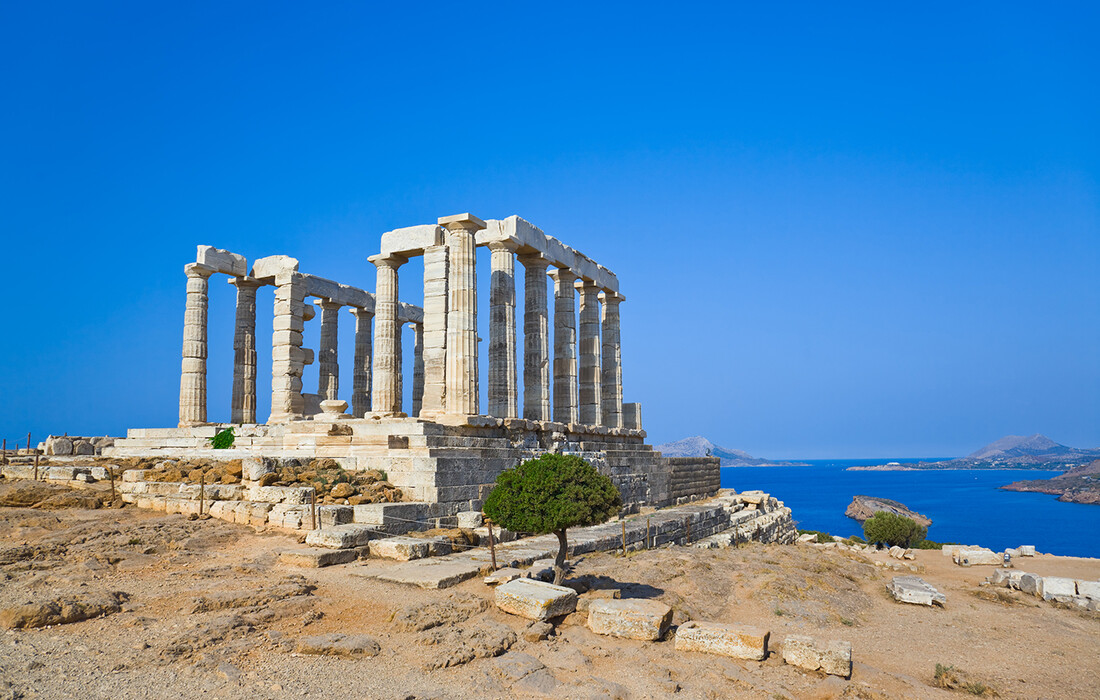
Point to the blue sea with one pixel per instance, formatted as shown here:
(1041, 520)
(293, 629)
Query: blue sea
(965, 506)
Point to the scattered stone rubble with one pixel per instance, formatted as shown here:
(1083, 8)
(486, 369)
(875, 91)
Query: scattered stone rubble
(1077, 593)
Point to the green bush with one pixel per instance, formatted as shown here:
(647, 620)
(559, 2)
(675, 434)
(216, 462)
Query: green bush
(893, 530)
(223, 440)
(822, 537)
(551, 494)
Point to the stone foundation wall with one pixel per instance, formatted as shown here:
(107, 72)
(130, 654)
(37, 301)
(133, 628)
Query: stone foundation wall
(693, 477)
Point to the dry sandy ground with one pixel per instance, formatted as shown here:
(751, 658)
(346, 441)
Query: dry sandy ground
(208, 613)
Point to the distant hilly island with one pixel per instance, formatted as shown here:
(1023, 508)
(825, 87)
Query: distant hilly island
(699, 446)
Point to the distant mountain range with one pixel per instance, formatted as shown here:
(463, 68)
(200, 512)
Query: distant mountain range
(1010, 452)
(699, 446)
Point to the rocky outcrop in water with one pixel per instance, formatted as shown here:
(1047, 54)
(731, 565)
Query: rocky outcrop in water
(863, 507)
(1078, 485)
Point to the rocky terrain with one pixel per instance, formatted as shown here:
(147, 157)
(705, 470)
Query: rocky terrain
(699, 446)
(124, 603)
(1078, 485)
(863, 507)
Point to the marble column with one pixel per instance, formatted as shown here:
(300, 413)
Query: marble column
(328, 385)
(590, 354)
(435, 329)
(612, 388)
(536, 339)
(287, 356)
(503, 381)
(243, 408)
(399, 406)
(385, 382)
(193, 370)
(461, 393)
(418, 369)
(565, 346)
(360, 376)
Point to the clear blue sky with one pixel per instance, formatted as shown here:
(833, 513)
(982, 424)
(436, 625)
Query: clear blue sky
(843, 229)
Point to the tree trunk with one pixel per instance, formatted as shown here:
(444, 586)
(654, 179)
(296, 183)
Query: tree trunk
(559, 561)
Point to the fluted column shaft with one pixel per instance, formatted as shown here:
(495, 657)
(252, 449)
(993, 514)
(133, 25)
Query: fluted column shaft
(462, 395)
(328, 361)
(385, 382)
(590, 354)
(243, 409)
(503, 382)
(435, 329)
(536, 348)
(612, 388)
(287, 356)
(193, 370)
(565, 346)
(418, 369)
(360, 377)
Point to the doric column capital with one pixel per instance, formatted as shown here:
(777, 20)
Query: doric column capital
(507, 245)
(360, 313)
(198, 271)
(609, 297)
(328, 304)
(587, 286)
(533, 260)
(390, 260)
(461, 222)
(563, 275)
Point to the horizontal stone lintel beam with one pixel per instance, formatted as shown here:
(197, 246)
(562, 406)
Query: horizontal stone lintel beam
(266, 269)
(528, 238)
(222, 261)
(411, 241)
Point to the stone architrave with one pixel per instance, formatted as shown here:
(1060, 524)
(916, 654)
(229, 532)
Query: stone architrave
(435, 329)
(360, 377)
(612, 384)
(590, 378)
(536, 339)
(385, 380)
(418, 369)
(328, 385)
(503, 382)
(461, 394)
(735, 641)
(565, 346)
(287, 355)
(193, 372)
(243, 408)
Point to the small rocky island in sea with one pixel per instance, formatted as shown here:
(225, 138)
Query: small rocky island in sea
(699, 446)
(1010, 452)
(1078, 485)
(863, 507)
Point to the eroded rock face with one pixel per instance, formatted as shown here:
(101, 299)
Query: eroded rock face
(458, 608)
(457, 646)
(863, 507)
(63, 611)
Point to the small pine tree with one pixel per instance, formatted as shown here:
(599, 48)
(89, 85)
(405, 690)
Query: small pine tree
(552, 493)
(223, 440)
(893, 530)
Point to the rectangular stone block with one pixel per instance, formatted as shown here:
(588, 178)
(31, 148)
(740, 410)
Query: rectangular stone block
(222, 260)
(630, 618)
(1056, 587)
(1026, 550)
(832, 657)
(308, 557)
(979, 556)
(339, 536)
(334, 515)
(291, 495)
(1031, 584)
(535, 600)
(1089, 589)
(736, 641)
(399, 548)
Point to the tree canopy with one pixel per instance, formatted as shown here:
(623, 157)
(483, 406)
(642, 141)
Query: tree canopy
(893, 529)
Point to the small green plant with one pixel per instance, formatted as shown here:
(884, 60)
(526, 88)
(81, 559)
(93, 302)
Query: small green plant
(976, 688)
(822, 537)
(847, 622)
(893, 530)
(945, 677)
(223, 440)
(780, 612)
(134, 540)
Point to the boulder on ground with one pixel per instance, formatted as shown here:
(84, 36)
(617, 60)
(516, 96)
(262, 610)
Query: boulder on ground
(736, 641)
(914, 589)
(538, 631)
(63, 611)
(337, 644)
(977, 556)
(632, 618)
(832, 657)
(535, 600)
(1031, 583)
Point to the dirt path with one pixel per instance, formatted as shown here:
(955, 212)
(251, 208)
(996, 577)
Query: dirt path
(205, 610)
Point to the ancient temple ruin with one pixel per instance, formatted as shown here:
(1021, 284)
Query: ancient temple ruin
(443, 450)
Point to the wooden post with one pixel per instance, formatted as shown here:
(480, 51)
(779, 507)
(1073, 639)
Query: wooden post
(624, 538)
(111, 474)
(5, 452)
(36, 465)
(687, 526)
(648, 541)
(202, 490)
(313, 509)
(492, 544)
(28, 442)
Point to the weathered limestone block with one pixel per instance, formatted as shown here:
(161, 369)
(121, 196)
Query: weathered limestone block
(339, 536)
(83, 447)
(1026, 550)
(914, 589)
(1089, 589)
(253, 468)
(286, 515)
(133, 475)
(1058, 588)
(312, 558)
(736, 641)
(632, 618)
(979, 556)
(290, 495)
(1010, 578)
(222, 260)
(1031, 583)
(470, 519)
(503, 576)
(59, 446)
(832, 657)
(329, 516)
(399, 548)
(535, 600)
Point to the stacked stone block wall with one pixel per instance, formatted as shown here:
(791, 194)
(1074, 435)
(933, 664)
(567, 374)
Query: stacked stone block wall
(693, 477)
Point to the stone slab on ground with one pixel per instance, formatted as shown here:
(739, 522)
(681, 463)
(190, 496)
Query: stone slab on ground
(429, 574)
(646, 620)
(337, 644)
(1058, 588)
(977, 556)
(736, 641)
(314, 558)
(503, 576)
(1031, 583)
(1089, 589)
(535, 600)
(914, 589)
(1009, 578)
(400, 548)
(832, 657)
(339, 536)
